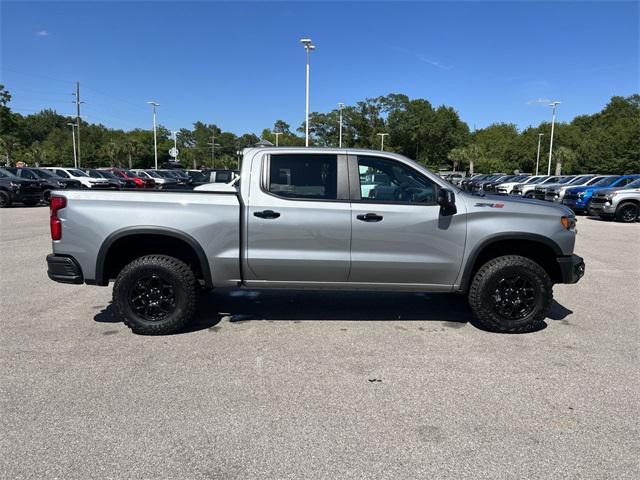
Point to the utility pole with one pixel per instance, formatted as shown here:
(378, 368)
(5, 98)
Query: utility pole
(553, 105)
(382, 135)
(340, 106)
(540, 135)
(78, 102)
(73, 137)
(155, 135)
(213, 149)
(277, 134)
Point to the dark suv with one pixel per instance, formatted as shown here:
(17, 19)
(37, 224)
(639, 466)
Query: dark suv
(48, 180)
(16, 189)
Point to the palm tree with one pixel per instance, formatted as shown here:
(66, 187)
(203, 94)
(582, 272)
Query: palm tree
(132, 148)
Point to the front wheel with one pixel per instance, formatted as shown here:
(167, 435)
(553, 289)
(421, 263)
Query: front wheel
(627, 213)
(5, 199)
(156, 294)
(511, 294)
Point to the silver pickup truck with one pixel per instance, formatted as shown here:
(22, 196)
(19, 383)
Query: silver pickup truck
(315, 218)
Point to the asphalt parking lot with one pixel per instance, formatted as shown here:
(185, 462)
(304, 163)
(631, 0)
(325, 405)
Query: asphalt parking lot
(308, 385)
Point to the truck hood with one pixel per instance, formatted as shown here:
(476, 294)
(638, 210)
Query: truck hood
(510, 204)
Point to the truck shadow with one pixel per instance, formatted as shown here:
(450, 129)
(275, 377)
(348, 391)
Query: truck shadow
(300, 305)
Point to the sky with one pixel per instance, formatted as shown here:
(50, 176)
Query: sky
(241, 66)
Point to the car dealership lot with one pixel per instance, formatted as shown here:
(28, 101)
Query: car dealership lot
(310, 385)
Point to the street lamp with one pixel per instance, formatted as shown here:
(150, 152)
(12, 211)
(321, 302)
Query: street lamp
(382, 135)
(73, 137)
(309, 47)
(553, 105)
(540, 135)
(277, 134)
(175, 144)
(340, 107)
(155, 135)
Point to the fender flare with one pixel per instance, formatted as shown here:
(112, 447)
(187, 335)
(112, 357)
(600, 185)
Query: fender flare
(499, 237)
(151, 230)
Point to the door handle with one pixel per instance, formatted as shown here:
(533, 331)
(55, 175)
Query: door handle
(267, 214)
(370, 217)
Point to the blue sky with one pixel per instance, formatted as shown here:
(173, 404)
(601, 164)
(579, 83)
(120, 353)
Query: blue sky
(240, 64)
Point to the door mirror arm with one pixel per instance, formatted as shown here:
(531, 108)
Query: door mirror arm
(447, 201)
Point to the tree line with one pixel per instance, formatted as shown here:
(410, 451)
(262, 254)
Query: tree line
(604, 142)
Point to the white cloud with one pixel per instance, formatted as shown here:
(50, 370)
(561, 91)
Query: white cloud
(42, 33)
(434, 63)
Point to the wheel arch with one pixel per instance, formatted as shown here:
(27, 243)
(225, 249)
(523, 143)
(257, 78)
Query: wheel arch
(538, 248)
(146, 241)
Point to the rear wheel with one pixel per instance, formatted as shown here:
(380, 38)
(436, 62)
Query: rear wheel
(5, 199)
(528, 195)
(156, 294)
(511, 294)
(627, 213)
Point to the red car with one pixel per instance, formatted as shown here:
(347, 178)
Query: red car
(129, 175)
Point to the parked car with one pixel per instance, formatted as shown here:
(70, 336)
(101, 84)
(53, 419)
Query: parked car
(556, 193)
(14, 189)
(540, 189)
(505, 188)
(219, 176)
(159, 180)
(80, 176)
(181, 181)
(301, 220)
(130, 175)
(542, 192)
(115, 182)
(478, 185)
(623, 204)
(527, 189)
(578, 198)
(48, 180)
(492, 186)
(466, 183)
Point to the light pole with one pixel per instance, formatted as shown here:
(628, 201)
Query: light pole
(540, 135)
(382, 135)
(309, 47)
(155, 135)
(73, 137)
(213, 150)
(175, 144)
(553, 105)
(277, 134)
(340, 106)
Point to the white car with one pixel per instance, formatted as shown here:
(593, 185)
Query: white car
(83, 178)
(505, 188)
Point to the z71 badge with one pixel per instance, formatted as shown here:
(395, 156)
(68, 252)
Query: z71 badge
(490, 205)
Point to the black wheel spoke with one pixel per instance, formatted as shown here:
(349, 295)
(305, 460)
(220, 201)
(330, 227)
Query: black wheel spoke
(152, 297)
(514, 297)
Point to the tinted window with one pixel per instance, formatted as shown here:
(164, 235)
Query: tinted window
(624, 181)
(634, 184)
(304, 176)
(62, 173)
(3, 175)
(383, 180)
(606, 181)
(43, 173)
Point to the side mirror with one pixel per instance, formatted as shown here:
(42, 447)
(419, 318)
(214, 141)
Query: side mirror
(447, 201)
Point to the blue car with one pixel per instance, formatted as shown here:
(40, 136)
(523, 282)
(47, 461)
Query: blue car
(577, 198)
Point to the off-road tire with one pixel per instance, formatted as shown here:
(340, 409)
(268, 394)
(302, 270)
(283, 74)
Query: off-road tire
(486, 280)
(173, 271)
(627, 212)
(5, 199)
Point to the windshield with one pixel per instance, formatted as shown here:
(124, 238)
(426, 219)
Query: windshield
(606, 181)
(4, 174)
(153, 174)
(94, 174)
(24, 173)
(199, 177)
(634, 184)
(533, 181)
(566, 180)
(166, 174)
(44, 174)
(107, 174)
(579, 180)
(77, 173)
(550, 180)
(594, 180)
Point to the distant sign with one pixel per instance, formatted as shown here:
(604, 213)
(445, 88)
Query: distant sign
(174, 152)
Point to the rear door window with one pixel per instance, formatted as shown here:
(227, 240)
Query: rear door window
(305, 177)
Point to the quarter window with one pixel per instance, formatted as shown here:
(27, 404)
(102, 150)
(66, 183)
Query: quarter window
(388, 181)
(312, 177)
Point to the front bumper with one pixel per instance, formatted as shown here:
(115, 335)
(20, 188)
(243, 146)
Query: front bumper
(571, 268)
(599, 208)
(577, 205)
(64, 269)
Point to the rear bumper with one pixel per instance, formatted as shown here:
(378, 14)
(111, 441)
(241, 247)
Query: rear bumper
(64, 269)
(571, 268)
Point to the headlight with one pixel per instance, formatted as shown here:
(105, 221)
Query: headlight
(14, 185)
(582, 194)
(611, 195)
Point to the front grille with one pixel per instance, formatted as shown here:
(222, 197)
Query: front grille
(595, 200)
